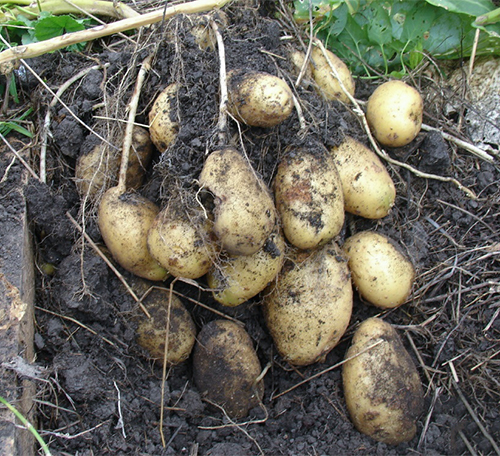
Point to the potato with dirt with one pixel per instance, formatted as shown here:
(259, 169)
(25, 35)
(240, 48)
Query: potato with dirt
(382, 388)
(163, 118)
(367, 186)
(226, 368)
(309, 307)
(244, 211)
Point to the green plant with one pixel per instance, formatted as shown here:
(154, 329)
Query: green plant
(14, 124)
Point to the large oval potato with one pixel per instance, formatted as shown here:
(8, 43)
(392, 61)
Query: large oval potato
(244, 211)
(367, 186)
(258, 99)
(237, 279)
(124, 220)
(309, 307)
(394, 113)
(381, 272)
(226, 368)
(309, 198)
(163, 118)
(382, 387)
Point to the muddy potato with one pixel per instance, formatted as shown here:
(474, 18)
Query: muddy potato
(244, 213)
(382, 387)
(394, 113)
(367, 186)
(309, 307)
(226, 368)
(328, 84)
(380, 270)
(124, 220)
(309, 198)
(237, 279)
(258, 99)
(139, 157)
(298, 60)
(163, 118)
(202, 31)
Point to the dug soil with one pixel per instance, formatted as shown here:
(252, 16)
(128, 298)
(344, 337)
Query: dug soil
(99, 392)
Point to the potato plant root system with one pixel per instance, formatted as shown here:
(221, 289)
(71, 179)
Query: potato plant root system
(100, 394)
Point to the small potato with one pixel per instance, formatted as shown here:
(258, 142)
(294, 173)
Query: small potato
(226, 368)
(124, 220)
(258, 99)
(309, 198)
(308, 309)
(202, 31)
(244, 211)
(328, 84)
(382, 387)
(240, 278)
(381, 272)
(139, 157)
(367, 186)
(394, 113)
(163, 118)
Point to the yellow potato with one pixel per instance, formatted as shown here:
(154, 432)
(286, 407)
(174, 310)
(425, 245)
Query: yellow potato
(244, 211)
(381, 272)
(367, 186)
(309, 198)
(139, 157)
(382, 387)
(226, 368)
(163, 118)
(394, 113)
(308, 309)
(298, 61)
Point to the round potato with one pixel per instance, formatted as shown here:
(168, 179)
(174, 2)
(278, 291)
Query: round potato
(381, 272)
(309, 198)
(244, 211)
(367, 186)
(237, 279)
(394, 113)
(309, 307)
(163, 118)
(328, 84)
(258, 99)
(124, 220)
(382, 388)
(226, 368)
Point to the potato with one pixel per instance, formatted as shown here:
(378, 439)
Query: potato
(244, 211)
(394, 113)
(124, 220)
(181, 241)
(139, 157)
(380, 270)
(226, 368)
(382, 387)
(328, 84)
(298, 61)
(237, 279)
(202, 31)
(258, 99)
(367, 186)
(308, 309)
(163, 118)
(309, 198)
(151, 332)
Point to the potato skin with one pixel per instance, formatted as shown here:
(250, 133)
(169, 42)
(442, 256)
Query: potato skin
(367, 186)
(244, 211)
(139, 157)
(124, 221)
(380, 271)
(243, 277)
(163, 122)
(309, 307)
(226, 367)
(394, 113)
(258, 99)
(382, 387)
(309, 198)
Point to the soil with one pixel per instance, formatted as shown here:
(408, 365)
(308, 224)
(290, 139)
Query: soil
(100, 393)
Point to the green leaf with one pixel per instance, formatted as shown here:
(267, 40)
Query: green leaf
(52, 26)
(470, 7)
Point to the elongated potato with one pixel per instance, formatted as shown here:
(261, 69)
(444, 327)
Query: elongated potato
(381, 272)
(382, 387)
(124, 220)
(367, 186)
(309, 198)
(240, 278)
(163, 118)
(244, 211)
(308, 309)
(226, 368)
